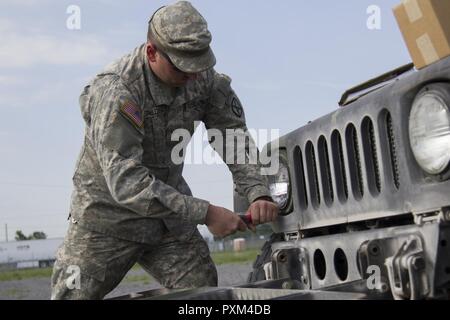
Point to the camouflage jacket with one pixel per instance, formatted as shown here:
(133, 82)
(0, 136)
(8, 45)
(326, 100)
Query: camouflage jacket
(125, 183)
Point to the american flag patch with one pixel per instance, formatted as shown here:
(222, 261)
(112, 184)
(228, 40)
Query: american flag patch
(133, 113)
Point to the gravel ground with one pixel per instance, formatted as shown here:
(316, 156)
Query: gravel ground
(135, 281)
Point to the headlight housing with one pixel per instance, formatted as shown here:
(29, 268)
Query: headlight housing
(429, 129)
(280, 185)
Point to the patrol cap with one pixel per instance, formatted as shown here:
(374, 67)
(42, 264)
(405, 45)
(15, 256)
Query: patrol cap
(181, 32)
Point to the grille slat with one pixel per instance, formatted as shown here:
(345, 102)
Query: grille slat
(375, 157)
(354, 161)
(370, 156)
(392, 150)
(339, 166)
(300, 178)
(312, 175)
(325, 169)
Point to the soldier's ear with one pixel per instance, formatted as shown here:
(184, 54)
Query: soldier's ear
(151, 52)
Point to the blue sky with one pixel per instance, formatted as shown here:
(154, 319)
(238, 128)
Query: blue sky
(290, 61)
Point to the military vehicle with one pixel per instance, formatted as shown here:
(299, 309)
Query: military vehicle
(364, 194)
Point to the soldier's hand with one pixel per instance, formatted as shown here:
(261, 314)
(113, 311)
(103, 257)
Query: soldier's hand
(222, 222)
(262, 211)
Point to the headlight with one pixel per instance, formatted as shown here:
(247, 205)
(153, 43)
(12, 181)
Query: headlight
(280, 185)
(429, 129)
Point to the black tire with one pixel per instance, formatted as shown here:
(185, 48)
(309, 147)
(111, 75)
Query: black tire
(258, 274)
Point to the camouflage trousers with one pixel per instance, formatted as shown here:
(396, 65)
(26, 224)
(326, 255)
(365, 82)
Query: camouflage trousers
(89, 264)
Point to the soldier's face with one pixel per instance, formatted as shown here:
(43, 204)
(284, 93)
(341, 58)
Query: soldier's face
(166, 71)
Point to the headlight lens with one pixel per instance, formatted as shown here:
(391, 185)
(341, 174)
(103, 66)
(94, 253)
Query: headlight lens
(279, 185)
(429, 132)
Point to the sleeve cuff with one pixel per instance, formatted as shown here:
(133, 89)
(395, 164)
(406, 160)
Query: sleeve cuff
(197, 209)
(258, 192)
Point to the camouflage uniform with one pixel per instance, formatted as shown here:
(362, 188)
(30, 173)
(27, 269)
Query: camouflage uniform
(130, 202)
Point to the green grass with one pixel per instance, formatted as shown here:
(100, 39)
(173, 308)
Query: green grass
(144, 279)
(234, 257)
(218, 258)
(25, 274)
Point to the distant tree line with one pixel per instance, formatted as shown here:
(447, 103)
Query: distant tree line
(37, 235)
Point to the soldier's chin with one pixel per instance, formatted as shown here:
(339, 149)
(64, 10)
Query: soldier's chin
(180, 83)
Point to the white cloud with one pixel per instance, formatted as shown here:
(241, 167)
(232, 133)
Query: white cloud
(10, 80)
(328, 85)
(5, 26)
(261, 86)
(22, 3)
(47, 94)
(28, 48)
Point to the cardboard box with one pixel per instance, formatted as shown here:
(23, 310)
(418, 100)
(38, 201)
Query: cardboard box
(425, 25)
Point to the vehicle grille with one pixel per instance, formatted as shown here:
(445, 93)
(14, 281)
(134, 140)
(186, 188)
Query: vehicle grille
(353, 166)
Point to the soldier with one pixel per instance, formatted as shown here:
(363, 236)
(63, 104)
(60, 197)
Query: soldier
(130, 203)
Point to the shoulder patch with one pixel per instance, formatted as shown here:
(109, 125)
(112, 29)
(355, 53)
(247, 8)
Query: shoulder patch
(132, 113)
(236, 106)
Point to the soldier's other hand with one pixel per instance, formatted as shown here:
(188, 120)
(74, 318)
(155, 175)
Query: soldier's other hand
(222, 222)
(263, 211)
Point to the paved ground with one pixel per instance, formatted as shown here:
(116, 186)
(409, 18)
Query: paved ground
(135, 281)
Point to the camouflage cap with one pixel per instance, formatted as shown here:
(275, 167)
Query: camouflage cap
(181, 32)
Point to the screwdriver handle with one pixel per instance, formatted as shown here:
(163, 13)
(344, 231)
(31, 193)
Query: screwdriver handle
(246, 217)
